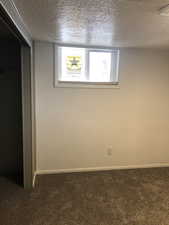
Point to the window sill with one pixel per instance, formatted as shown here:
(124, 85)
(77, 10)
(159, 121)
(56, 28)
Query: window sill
(94, 85)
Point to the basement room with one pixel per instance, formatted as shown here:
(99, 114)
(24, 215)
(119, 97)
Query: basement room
(84, 112)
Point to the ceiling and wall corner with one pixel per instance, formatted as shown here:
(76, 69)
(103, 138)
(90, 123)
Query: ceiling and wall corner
(117, 23)
(14, 14)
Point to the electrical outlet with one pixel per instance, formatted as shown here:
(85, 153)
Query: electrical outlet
(109, 150)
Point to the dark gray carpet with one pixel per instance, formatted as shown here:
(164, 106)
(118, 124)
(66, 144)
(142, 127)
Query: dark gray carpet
(128, 197)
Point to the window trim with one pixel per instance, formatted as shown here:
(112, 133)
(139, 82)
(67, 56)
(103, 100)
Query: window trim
(87, 84)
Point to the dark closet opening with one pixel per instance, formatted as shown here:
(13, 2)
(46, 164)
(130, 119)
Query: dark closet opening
(11, 146)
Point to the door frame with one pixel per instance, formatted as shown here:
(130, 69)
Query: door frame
(28, 121)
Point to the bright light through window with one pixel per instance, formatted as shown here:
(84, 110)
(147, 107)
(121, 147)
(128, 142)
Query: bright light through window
(72, 64)
(87, 65)
(99, 66)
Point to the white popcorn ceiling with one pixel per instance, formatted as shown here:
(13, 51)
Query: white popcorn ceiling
(117, 23)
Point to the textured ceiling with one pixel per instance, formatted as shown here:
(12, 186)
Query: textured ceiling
(118, 23)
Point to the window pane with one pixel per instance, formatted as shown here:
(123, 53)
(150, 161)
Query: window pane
(100, 66)
(72, 64)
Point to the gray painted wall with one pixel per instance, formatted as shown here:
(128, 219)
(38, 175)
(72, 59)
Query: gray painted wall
(76, 126)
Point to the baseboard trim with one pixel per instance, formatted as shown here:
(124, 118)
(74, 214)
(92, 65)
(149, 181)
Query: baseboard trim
(34, 179)
(92, 169)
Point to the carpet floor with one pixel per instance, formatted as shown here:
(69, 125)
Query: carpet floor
(124, 197)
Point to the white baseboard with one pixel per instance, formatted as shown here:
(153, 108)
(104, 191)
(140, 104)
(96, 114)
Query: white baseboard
(34, 179)
(90, 169)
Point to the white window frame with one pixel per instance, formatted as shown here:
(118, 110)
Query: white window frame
(113, 83)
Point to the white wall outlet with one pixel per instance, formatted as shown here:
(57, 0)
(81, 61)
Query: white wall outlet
(109, 150)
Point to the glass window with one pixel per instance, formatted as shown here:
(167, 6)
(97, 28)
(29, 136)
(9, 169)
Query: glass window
(87, 65)
(100, 66)
(72, 64)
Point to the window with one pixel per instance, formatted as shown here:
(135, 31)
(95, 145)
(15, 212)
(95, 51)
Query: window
(72, 64)
(100, 66)
(84, 65)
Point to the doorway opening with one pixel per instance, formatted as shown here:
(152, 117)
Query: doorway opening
(11, 111)
(15, 104)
